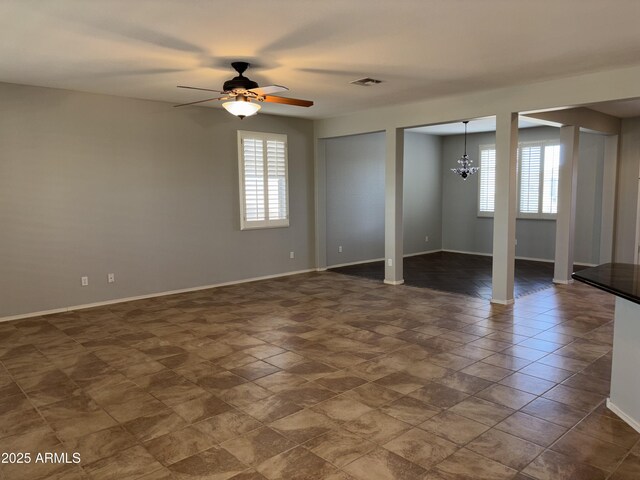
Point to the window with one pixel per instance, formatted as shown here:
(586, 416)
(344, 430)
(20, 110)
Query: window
(538, 165)
(264, 199)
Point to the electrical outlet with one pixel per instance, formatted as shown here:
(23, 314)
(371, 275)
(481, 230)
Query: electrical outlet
(292, 255)
(84, 281)
(426, 239)
(390, 262)
(111, 277)
(516, 241)
(340, 249)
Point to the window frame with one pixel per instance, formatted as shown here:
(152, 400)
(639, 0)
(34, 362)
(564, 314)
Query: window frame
(521, 215)
(539, 215)
(267, 222)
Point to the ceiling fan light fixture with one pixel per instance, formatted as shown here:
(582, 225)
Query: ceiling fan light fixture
(241, 91)
(241, 107)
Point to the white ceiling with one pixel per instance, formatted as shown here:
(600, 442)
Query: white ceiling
(621, 108)
(420, 48)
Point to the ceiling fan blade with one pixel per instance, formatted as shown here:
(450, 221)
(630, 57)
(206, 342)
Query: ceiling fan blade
(199, 101)
(198, 88)
(288, 101)
(268, 89)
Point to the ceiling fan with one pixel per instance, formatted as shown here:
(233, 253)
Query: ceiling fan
(245, 94)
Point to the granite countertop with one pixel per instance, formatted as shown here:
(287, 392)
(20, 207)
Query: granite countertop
(621, 279)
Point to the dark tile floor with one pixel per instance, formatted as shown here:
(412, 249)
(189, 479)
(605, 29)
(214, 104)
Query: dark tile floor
(317, 376)
(459, 273)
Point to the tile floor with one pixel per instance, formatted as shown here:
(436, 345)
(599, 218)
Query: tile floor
(318, 376)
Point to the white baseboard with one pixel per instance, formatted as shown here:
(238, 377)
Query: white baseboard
(466, 253)
(510, 301)
(533, 259)
(562, 282)
(482, 254)
(393, 282)
(255, 279)
(359, 262)
(635, 424)
(150, 295)
(426, 252)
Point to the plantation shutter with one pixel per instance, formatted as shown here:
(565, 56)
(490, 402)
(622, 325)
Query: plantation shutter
(550, 179)
(530, 164)
(538, 168)
(253, 154)
(487, 179)
(263, 180)
(277, 179)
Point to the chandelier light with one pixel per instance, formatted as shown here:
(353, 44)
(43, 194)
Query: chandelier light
(465, 169)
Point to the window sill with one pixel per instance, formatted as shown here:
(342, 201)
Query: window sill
(262, 226)
(518, 217)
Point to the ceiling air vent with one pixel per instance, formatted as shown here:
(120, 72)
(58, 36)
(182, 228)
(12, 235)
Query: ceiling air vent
(366, 82)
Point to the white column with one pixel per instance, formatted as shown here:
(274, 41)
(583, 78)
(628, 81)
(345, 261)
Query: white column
(609, 175)
(393, 183)
(504, 216)
(320, 170)
(566, 218)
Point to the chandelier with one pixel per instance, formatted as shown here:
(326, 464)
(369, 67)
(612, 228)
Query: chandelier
(465, 169)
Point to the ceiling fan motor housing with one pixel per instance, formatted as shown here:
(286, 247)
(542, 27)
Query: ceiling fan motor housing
(239, 82)
(246, 93)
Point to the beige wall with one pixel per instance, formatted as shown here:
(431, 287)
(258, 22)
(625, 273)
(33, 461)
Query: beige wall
(93, 184)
